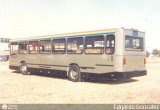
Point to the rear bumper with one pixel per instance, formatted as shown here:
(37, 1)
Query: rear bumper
(134, 73)
(119, 75)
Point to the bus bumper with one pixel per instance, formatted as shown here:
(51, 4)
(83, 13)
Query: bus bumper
(127, 74)
(134, 74)
(118, 75)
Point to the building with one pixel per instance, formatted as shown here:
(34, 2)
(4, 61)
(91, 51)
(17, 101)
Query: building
(4, 46)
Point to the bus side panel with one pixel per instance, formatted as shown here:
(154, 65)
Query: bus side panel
(14, 62)
(87, 63)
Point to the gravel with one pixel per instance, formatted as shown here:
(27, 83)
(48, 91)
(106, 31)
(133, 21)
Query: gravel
(37, 89)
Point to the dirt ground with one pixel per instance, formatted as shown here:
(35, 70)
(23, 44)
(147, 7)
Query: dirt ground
(16, 88)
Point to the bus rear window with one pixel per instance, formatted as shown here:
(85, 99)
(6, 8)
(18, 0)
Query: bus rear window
(133, 43)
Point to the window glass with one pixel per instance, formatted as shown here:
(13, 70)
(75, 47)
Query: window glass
(2, 40)
(110, 44)
(75, 45)
(94, 45)
(45, 46)
(33, 47)
(59, 46)
(6, 40)
(133, 43)
(23, 47)
(14, 48)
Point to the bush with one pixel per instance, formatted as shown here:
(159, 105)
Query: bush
(147, 54)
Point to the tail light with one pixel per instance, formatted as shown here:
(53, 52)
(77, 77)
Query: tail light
(124, 60)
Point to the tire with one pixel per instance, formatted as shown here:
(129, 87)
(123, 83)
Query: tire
(24, 69)
(74, 73)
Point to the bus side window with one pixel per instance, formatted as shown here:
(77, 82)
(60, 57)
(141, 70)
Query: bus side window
(33, 47)
(45, 46)
(75, 45)
(23, 47)
(14, 48)
(59, 46)
(110, 44)
(94, 44)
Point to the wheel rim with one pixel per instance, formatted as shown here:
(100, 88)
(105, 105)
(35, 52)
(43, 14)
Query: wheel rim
(23, 68)
(74, 74)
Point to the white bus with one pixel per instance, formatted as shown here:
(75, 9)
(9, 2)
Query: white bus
(109, 53)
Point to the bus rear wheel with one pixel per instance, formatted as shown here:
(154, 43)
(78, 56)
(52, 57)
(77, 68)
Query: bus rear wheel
(74, 73)
(23, 68)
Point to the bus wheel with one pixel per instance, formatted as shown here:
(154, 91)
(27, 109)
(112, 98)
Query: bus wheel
(74, 73)
(23, 68)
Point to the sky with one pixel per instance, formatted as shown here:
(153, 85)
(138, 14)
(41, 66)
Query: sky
(26, 18)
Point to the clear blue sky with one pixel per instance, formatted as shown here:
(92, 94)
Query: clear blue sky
(25, 18)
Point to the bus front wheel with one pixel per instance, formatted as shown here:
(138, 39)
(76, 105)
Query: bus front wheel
(23, 68)
(74, 73)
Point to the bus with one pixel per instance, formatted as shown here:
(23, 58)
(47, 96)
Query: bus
(109, 53)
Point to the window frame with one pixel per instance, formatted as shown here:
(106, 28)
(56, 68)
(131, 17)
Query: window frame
(91, 37)
(19, 47)
(65, 44)
(134, 37)
(40, 52)
(75, 38)
(110, 47)
(29, 51)
(11, 48)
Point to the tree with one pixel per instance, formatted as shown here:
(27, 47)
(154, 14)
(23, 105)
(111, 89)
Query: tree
(155, 52)
(147, 54)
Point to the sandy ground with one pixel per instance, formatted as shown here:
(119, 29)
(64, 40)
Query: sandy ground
(16, 88)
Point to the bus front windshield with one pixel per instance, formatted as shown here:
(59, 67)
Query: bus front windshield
(133, 43)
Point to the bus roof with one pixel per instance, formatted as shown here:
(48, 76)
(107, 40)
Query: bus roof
(67, 34)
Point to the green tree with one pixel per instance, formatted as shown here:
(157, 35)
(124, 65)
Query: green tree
(155, 52)
(147, 54)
